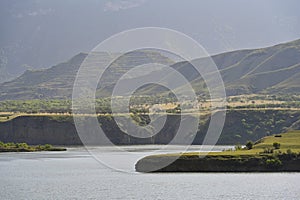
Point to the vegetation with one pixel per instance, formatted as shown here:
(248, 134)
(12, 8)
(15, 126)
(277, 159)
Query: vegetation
(276, 145)
(263, 156)
(238, 147)
(141, 104)
(249, 145)
(102, 105)
(23, 147)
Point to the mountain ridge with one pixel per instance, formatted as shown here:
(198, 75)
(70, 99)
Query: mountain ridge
(269, 70)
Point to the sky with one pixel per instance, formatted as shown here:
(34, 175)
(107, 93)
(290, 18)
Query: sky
(41, 33)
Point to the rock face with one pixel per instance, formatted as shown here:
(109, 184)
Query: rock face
(48, 130)
(240, 126)
(39, 130)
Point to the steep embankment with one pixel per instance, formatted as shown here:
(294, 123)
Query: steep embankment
(240, 126)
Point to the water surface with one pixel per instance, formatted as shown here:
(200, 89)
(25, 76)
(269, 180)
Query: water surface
(77, 175)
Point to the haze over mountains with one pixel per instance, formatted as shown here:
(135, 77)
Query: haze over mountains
(38, 34)
(271, 70)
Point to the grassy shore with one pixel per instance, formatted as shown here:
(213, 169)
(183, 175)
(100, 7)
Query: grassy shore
(23, 147)
(264, 156)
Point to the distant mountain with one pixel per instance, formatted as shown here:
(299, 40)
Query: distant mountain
(37, 34)
(271, 70)
(57, 81)
(267, 70)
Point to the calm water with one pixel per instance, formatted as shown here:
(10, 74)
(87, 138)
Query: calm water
(77, 175)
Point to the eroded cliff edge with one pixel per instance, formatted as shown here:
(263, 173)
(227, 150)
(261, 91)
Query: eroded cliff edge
(240, 126)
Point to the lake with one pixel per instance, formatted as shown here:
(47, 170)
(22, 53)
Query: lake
(76, 174)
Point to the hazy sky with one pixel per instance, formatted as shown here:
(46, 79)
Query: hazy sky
(41, 33)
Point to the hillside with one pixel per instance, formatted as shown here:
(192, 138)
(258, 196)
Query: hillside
(54, 82)
(57, 81)
(271, 70)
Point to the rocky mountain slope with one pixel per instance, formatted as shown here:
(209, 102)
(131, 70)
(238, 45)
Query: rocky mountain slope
(271, 70)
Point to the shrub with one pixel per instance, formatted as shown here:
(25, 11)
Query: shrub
(238, 147)
(276, 145)
(249, 145)
(10, 144)
(289, 151)
(268, 150)
(47, 146)
(39, 147)
(23, 145)
(273, 163)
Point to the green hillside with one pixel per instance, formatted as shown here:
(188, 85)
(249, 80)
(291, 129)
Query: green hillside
(271, 70)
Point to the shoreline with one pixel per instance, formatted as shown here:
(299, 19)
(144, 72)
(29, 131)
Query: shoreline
(222, 164)
(275, 153)
(23, 147)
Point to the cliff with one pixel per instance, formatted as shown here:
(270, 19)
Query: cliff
(240, 126)
(39, 130)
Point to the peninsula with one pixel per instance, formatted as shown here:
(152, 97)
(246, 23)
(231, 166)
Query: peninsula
(276, 153)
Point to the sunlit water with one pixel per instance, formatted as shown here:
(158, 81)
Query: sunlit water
(77, 175)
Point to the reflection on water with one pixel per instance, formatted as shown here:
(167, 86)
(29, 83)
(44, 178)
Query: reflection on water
(77, 175)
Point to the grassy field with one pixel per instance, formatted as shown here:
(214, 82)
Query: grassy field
(288, 141)
(264, 157)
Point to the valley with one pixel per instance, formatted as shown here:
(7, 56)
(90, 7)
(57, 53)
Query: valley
(262, 98)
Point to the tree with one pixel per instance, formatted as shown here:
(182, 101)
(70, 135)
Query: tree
(238, 147)
(249, 145)
(276, 145)
(289, 151)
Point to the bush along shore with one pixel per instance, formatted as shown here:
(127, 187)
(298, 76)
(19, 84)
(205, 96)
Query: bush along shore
(23, 147)
(278, 153)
